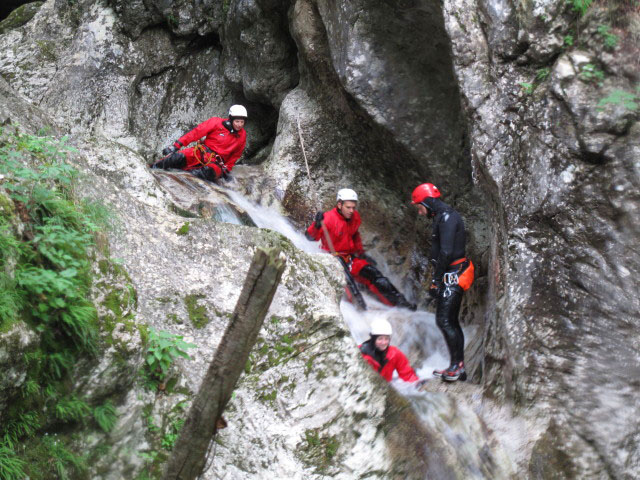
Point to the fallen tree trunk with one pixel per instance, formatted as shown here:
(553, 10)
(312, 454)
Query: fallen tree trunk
(189, 453)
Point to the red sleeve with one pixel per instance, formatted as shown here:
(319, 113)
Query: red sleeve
(237, 152)
(314, 232)
(200, 131)
(404, 369)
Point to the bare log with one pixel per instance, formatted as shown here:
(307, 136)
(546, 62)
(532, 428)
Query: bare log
(189, 453)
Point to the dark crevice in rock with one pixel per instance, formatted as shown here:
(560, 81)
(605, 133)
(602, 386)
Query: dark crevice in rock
(9, 6)
(210, 40)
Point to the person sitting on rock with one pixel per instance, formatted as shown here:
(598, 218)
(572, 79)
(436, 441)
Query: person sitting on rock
(342, 224)
(214, 157)
(385, 358)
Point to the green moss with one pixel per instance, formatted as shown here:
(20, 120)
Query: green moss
(47, 49)
(173, 318)
(197, 313)
(184, 229)
(19, 16)
(268, 397)
(7, 209)
(318, 450)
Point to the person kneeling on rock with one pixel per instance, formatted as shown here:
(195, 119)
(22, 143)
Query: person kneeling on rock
(214, 157)
(385, 358)
(342, 224)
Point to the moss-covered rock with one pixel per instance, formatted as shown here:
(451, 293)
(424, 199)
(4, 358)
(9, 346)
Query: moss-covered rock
(19, 16)
(15, 343)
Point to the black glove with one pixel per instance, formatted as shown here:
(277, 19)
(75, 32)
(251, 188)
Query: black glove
(168, 150)
(366, 257)
(435, 290)
(319, 218)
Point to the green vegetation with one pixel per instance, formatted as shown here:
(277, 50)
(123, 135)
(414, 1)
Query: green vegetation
(319, 451)
(527, 88)
(542, 74)
(163, 349)
(609, 39)
(197, 313)
(568, 40)
(628, 100)
(184, 229)
(161, 437)
(590, 73)
(47, 236)
(580, 6)
(105, 416)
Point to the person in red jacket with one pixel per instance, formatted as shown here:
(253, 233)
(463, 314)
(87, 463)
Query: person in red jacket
(384, 358)
(343, 223)
(214, 157)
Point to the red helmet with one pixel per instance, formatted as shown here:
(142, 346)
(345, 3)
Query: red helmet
(425, 190)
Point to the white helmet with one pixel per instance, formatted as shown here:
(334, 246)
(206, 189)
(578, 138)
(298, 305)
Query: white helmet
(347, 194)
(380, 326)
(238, 111)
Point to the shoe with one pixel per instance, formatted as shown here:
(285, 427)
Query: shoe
(455, 372)
(439, 373)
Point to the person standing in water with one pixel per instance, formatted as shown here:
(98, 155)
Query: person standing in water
(453, 273)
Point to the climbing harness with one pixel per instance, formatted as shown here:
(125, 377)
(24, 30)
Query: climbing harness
(462, 276)
(208, 156)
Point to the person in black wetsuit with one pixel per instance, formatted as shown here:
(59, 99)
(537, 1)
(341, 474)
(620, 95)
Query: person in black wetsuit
(453, 273)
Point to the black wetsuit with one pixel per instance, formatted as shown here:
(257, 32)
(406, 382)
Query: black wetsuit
(447, 246)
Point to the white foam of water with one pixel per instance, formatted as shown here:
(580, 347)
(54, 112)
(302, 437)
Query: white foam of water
(412, 331)
(265, 217)
(224, 213)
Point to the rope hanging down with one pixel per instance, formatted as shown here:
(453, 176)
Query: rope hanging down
(351, 283)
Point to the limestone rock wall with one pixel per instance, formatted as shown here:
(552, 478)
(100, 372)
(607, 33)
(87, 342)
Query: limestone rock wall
(561, 171)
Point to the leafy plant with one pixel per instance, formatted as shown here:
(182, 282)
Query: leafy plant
(543, 73)
(610, 40)
(170, 437)
(45, 281)
(591, 73)
(163, 349)
(11, 467)
(71, 408)
(580, 6)
(528, 88)
(64, 461)
(105, 416)
(568, 40)
(184, 229)
(627, 100)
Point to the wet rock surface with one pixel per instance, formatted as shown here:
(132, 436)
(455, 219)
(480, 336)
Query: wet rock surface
(561, 171)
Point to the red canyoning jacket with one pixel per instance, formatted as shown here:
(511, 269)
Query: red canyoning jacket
(344, 233)
(218, 138)
(393, 360)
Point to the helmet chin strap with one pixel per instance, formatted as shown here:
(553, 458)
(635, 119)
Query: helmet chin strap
(431, 213)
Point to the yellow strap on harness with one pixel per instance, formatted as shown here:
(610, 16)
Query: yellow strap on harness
(205, 158)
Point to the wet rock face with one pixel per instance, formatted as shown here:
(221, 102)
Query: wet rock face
(561, 174)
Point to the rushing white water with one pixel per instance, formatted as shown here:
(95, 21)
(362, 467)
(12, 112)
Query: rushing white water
(265, 217)
(415, 333)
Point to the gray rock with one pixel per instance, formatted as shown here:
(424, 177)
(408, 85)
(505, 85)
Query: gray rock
(17, 341)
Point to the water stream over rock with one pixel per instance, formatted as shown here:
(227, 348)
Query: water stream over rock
(416, 334)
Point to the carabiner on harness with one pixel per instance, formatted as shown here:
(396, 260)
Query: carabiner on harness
(449, 279)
